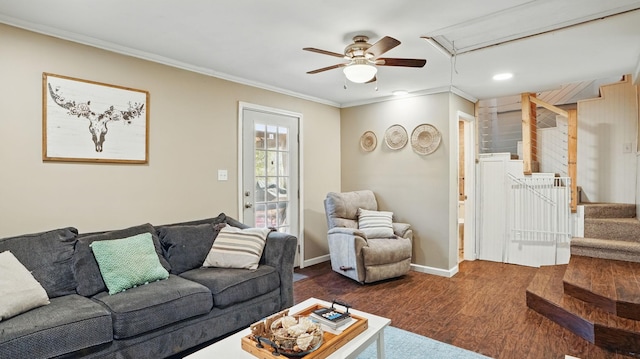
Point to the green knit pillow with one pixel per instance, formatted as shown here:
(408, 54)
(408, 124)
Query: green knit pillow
(128, 262)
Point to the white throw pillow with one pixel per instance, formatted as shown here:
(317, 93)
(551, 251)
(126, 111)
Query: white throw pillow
(237, 248)
(19, 290)
(375, 224)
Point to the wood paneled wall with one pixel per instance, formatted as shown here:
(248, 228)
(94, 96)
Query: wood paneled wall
(607, 142)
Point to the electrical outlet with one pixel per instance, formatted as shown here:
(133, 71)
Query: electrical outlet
(223, 175)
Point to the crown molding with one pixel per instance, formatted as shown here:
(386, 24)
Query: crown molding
(436, 90)
(127, 51)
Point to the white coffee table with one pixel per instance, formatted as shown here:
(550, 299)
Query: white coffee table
(230, 347)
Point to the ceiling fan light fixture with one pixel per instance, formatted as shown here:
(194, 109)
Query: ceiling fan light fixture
(360, 72)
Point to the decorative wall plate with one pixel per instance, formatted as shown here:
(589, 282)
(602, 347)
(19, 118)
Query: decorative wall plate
(425, 139)
(395, 137)
(368, 141)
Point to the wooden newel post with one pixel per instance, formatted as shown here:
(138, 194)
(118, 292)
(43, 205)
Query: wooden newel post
(529, 132)
(526, 134)
(572, 144)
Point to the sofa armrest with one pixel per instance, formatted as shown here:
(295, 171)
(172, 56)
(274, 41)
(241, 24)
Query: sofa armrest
(402, 230)
(280, 252)
(349, 231)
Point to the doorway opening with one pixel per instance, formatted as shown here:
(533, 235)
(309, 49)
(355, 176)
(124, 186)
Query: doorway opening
(466, 188)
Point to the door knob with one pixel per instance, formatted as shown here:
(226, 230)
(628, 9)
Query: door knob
(248, 205)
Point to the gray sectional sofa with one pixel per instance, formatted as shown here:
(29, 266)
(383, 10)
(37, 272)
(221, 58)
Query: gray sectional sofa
(192, 306)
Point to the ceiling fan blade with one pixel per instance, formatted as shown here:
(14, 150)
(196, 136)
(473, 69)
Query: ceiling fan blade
(401, 62)
(327, 68)
(383, 45)
(324, 52)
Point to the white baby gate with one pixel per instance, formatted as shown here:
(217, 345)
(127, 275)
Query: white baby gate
(539, 220)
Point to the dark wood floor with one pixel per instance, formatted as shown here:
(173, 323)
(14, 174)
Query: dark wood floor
(482, 308)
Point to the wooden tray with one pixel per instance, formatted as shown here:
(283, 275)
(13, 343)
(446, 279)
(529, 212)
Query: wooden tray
(330, 343)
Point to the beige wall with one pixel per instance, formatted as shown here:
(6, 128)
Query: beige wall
(420, 190)
(193, 133)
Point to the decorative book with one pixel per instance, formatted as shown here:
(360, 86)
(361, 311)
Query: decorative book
(332, 317)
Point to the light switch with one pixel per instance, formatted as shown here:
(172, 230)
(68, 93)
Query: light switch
(222, 175)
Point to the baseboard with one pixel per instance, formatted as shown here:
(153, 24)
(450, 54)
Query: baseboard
(415, 267)
(435, 271)
(316, 260)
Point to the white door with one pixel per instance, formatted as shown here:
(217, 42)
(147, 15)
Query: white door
(270, 176)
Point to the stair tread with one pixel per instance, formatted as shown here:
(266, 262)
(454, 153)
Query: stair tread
(601, 282)
(553, 278)
(611, 285)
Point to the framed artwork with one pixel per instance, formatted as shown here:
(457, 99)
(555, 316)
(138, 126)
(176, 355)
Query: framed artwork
(87, 121)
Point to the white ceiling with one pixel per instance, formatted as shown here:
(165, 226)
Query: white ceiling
(260, 42)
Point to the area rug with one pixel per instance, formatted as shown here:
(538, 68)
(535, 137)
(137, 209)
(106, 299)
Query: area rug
(401, 344)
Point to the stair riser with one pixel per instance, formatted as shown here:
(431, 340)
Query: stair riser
(565, 319)
(628, 310)
(624, 231)
(585, 295)
(610, 211)
(617, 339)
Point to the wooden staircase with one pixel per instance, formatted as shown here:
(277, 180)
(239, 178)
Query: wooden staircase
(592, 297)
(597, 295)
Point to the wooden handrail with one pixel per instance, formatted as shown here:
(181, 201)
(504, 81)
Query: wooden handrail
(550, 107)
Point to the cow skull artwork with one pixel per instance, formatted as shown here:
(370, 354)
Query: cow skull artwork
(97, 122)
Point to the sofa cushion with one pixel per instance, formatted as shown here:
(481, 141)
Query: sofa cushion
(19, 291)
(385, 250)
(149, 307)
(85, 266)
(48, 256)
(237, 248)
(186, 246)
(128, 262)
(230, 285)
(69, 323)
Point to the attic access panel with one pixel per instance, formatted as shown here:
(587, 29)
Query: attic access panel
(543, 16)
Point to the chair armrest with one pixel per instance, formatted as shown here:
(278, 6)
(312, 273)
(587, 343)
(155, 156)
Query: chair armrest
(348, 231)
(280, 252)
(401, 229)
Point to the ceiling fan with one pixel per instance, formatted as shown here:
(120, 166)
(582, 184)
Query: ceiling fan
(364, 58)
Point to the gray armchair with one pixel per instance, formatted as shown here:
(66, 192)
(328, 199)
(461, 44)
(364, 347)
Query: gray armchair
(356, 255)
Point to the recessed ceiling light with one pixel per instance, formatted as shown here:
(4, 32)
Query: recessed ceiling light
(503, 76)
(400, 92)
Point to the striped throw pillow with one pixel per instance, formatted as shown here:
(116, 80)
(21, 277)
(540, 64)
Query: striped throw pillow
(237, 248)
(375, 224)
